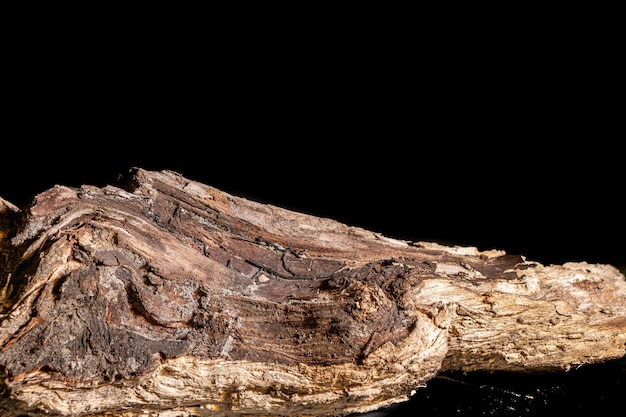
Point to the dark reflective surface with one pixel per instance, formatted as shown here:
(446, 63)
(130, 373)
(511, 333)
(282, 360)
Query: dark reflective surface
(594, 389)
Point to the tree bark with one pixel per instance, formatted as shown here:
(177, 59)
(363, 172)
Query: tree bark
(163, 296)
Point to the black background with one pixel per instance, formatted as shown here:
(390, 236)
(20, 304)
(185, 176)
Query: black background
(511, 146)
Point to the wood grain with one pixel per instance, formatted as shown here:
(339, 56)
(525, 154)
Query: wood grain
(163, 296)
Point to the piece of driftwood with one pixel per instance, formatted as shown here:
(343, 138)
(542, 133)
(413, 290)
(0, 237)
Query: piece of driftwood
(166, 297)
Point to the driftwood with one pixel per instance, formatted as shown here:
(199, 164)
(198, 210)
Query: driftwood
(162, 296)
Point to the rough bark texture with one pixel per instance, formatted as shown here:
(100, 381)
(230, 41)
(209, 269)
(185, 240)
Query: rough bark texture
(166, 297)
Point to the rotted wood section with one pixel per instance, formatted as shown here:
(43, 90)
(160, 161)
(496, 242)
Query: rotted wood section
(161, 296)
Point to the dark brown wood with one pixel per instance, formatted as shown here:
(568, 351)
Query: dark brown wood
(163, 296)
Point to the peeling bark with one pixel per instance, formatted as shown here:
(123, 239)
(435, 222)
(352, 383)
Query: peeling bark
(162, 296)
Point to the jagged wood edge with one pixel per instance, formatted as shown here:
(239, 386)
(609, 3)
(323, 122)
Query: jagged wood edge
(454, 307)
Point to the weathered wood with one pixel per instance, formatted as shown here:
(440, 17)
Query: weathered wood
(163, 296)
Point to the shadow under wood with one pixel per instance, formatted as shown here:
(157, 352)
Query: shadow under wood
(598, 388)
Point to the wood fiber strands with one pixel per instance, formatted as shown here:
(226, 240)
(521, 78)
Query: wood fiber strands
(162, 296)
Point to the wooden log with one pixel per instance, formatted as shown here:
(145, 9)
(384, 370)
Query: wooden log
(163, 296)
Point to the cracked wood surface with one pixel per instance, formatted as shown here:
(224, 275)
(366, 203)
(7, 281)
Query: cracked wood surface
(163, 296)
